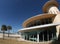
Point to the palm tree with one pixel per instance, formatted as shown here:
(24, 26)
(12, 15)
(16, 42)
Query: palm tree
(9, 28)
(3, 28)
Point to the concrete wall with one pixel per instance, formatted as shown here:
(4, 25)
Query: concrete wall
(57, 20)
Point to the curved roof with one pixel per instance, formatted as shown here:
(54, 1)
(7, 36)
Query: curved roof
(48, 4)
(40, 16)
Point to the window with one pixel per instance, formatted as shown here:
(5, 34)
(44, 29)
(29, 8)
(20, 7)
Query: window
(46, 21)
(38, 22)
(50, 20)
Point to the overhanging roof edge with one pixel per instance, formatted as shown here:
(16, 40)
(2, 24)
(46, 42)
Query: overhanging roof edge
(40, 26)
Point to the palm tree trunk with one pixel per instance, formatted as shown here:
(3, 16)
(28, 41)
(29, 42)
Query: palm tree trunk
(8, 32)
(3, 35)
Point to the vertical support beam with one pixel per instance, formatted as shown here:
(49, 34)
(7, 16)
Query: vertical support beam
(37, 36)
(47, 36)
(43, 36)
(52, 35)
(23, 36)
(33, 37)
(26, 36)
(29, 37)
(58, 29)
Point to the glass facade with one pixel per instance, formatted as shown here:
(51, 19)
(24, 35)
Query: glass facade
(46, 34)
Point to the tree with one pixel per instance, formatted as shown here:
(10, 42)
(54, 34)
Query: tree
(3, 28)
(9, 28)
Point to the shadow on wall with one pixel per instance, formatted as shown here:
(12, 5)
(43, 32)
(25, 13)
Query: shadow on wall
(56, 41)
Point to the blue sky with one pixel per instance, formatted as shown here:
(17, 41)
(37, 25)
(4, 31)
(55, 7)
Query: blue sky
(15, 12)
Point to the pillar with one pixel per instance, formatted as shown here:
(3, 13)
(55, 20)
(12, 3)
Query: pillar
(33, 37)
(57, 34)
(26, 36)
(52, 35)
(43, 36)
(47, 36)
(37, 36)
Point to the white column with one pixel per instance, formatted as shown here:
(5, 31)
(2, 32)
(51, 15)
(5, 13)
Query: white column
(37, 36)
(57, 34)
(58, 31)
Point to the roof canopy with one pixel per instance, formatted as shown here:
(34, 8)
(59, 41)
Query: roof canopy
(40, 26)
(37, 17)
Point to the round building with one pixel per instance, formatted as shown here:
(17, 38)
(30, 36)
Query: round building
(43, 27)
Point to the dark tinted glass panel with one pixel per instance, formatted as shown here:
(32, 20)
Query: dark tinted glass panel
(50, 20)
(38, 22)
(46, 21)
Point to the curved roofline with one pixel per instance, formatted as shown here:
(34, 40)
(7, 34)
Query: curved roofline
(34, 17)
(36, 27)
(48, 4)
(31, 18)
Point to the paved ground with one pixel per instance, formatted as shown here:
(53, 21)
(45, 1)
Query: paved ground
(20, 41)
(12, 41)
